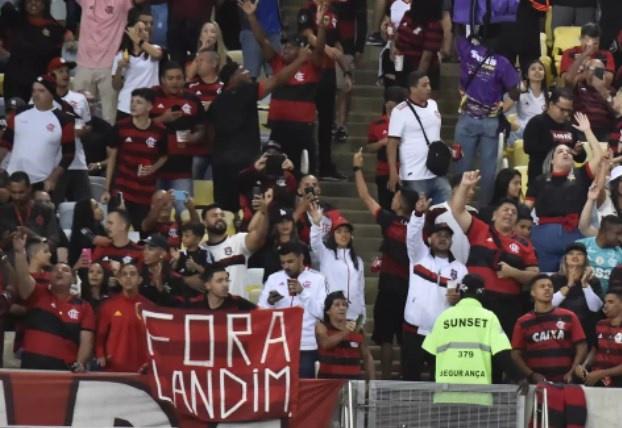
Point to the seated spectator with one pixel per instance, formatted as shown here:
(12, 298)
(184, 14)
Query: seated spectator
(206, 85)
(282, 231)
(578, 289)
(87, 230)
(341, 343)
(59, 333)
(575, 60)
(95, 285)
(232, 252)
(434, 275)
(134, 66)
(160, 218)
(159, 283)
(135, 155)
(37, 219)
(120, 249)
(507, 186)
(413, 138)
(605, 359)
(291, 117)
(558, 198)
(216, 296)
(504, 261)
(210, 39)
(548, 343)
(485, 76)
(377, 140)
(524, 223)
(547, 130)
(184, 118)
(35, 149)
(192, 260)
(283, 289)
(120, 341)
(338, 261)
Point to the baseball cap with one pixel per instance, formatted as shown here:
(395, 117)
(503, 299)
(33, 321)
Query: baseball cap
(576, 246)
(437, 227)
(472, 284)
(341, 221)
(15, 103)
(157, 240)
(615, 173)
(293, 38)
(60, 62)
(272, 146)
(49, 83)
(281, 214)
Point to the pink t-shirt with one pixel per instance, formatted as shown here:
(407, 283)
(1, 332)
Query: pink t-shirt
(101, 29)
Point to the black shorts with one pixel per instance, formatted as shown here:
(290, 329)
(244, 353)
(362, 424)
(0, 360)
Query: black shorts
(389, 315)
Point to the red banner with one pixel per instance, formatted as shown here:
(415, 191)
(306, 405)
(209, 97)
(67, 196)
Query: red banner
(225, 366)
(30, 398)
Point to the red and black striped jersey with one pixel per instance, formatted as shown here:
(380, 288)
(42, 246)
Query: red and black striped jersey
(608, 348)
(308, 19)
(351, 24)
(53, 327)
(376, 131)
(129, 253)
(294, 101)
(135, 148)
(344, 360)
(414, 38)
(394, 269)
(590, 102)
(204, 91)
(547, 341)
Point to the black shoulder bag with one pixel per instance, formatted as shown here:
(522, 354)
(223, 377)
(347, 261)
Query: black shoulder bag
(439, 155)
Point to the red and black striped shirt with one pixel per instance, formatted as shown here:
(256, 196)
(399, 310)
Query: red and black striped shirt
(394, 269)
(414, 38)
(379, 130)
(589, 101)
(351, 24)
(180, 151)
(608, 348)
(547, 341)
(294, 101)
(344, 360)
(53, 329)
(136, 147)
(129, 253)
(204, 91)
(308, 19)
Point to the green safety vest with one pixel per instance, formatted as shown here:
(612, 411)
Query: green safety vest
(464, 339)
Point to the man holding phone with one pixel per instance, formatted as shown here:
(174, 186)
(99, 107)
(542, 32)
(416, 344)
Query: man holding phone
(575, 60)
(297, 285)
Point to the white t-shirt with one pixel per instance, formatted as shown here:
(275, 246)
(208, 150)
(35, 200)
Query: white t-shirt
(529, 106)
(232, 254)
(36, 144)
(413, 148)
(81, 107)
(397, 11)
(141, 73)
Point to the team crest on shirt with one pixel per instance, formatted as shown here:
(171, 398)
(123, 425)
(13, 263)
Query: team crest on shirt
(50, 127)
(187, 109)
(160, 105)
(172, 232)
(128, 140)
(198, 93)
(354, 344)
(45, 32)
(150, 142)
(560, 324)
(417, 30)
(228, 251)
(453, 274)
(306, 284)
(73, 313)
(600, 260)
(617, 338)
(514, 248)
(299, 76)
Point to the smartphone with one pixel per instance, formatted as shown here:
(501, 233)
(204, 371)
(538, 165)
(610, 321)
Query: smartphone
(310, 189)
(599, 73)
(257, 190)
(180, 195)
(359, 322)
(274, 164)
(87, 255)
(291, 281)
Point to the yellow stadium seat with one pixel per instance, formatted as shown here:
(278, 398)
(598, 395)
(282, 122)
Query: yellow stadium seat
(519, 157)
(264, 131)
(203, 192)
(564, 38)
(523, 176)
(236, 56)
(546, 60)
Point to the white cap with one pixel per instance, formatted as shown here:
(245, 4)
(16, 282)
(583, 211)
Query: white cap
(615, 173)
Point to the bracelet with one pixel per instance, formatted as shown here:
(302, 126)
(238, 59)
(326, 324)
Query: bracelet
(356, 168)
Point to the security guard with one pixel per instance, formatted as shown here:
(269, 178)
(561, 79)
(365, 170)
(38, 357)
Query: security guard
(465, 338)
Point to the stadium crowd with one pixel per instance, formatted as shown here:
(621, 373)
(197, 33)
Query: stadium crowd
(115, 109)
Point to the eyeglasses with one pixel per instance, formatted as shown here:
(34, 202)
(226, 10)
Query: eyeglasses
(564, 110)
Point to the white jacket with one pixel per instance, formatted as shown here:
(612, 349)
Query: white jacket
(427, 284)
(311, 300)
(340, 273)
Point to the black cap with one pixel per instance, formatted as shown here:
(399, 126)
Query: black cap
(157, 240)
(15, 103)
(293, 38)
(281, 214)
(576, 246)
(472, 284)
(272, 146)
(437, 227)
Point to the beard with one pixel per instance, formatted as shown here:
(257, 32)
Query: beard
(217, 228)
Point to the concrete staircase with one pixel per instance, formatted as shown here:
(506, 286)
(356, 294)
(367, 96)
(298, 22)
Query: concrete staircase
(367, 100)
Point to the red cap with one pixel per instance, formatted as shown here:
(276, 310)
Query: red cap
(60, 62)
(341, 221)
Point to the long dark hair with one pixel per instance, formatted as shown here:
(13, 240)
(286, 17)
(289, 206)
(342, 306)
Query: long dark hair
(424, 11)
(502, 183)
(545, 88)
(87, 287)
(332, 245)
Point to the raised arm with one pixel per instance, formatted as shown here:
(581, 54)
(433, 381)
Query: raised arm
(249, 7)
(585, 221)
(286, 72)
(458, 201)
(596, 152)
(316, 238)
(24, 281)
(415, 245)
(258, 226)
(361, 186)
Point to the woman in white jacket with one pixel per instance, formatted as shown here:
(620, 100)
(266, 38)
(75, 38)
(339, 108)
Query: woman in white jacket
(343, 269)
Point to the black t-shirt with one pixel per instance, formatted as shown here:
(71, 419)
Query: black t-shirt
(558, 196)
(542, 134)
(236, 124)
(231, 303)
(96, 141)
(199, 257)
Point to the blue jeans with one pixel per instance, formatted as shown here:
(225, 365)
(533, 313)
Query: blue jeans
(160, 24)
(182, 184)
(251, 52)
(479, 135)
(550, 241)
(437, 188)
(307, 364)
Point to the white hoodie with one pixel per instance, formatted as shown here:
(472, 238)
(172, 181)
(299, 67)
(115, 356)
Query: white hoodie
(311, 300)
(340, 273)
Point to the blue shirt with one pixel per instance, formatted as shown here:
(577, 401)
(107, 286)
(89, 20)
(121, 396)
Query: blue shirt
(268, 16)
(602, 260)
